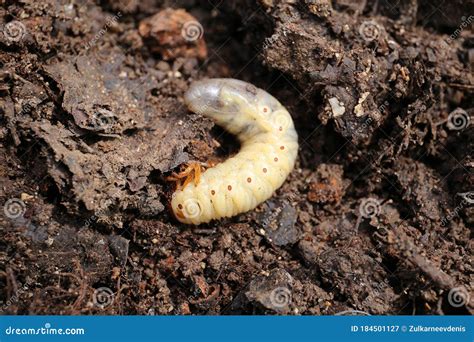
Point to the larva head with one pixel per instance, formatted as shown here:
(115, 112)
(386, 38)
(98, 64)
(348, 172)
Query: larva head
(186, 209)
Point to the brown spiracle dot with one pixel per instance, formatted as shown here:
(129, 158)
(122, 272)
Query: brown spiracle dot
(275, 159)
(280, 128)
(264, 170)
(229, 187)
(282, 148)
(180, 206)
(213, 192)
(265, 109)
(249, 180)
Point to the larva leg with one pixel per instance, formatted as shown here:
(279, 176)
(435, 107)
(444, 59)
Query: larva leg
(190, 174)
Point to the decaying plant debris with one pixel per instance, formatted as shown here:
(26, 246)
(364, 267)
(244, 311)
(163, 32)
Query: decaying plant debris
(377, 216)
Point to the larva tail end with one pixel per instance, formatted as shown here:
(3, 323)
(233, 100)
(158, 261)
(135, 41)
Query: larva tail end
(202, 97)
(206, 97)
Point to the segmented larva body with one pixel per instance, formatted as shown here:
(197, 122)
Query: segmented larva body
(269, 145)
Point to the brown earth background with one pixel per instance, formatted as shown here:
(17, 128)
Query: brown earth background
(376, 218)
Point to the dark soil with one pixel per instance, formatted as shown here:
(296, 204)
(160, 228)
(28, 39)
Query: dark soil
(376, 217)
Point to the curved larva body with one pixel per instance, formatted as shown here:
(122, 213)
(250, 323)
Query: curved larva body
(269, 145)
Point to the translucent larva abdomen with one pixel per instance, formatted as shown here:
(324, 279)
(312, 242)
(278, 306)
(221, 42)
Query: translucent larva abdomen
(269, 145)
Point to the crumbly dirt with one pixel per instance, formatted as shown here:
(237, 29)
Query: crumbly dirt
(377, 216)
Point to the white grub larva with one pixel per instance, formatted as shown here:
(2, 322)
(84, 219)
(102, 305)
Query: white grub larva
(269, 145)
